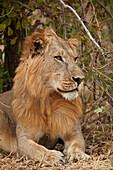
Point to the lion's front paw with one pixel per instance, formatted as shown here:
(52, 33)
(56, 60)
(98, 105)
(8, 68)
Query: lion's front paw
(77, 156)
(53, 156)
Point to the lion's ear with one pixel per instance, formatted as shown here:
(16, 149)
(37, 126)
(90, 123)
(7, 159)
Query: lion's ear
(38, 43)
(73, 42)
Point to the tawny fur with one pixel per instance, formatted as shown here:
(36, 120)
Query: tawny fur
(45, 103)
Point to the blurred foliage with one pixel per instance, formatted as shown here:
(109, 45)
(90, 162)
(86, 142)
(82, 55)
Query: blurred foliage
(97, 16)
(10, 12)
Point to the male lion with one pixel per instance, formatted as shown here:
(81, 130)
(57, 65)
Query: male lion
(46, 103)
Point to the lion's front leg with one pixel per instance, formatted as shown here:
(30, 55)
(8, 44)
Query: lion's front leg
(28, 146)
(75, 145)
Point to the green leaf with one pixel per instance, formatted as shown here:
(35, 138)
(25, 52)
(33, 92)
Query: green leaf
(1, 69)
(111, 75)
(19, 47)
(7, 21)
(1, 85)
(104, 85)
(1, 53)
(10, 31)
(55, 10)
(18, 25)
(55, 1)
(39, 1)
(73, 32)
(89, 99)
(23, 23)
(105, 2)
(79, 37)
(2, 27)
(82, 59)
(99, 110)
(13, 41)
(2, 12)
(4, 42)
(12, 15)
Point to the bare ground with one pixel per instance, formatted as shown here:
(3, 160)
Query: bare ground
(99, 144)
(103, 162)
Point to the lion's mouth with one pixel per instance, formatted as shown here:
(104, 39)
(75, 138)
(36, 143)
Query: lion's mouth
(68, 91)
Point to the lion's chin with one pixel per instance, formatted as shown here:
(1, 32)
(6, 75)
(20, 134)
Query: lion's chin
(71, 95)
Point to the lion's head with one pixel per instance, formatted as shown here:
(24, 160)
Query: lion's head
(55, 62)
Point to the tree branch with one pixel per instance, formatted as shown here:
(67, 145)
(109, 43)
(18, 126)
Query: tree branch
(83, 12)
(104, 90)
(7, 13)
(88, 33)
(64, 22)
(105, 9)
(24, 5)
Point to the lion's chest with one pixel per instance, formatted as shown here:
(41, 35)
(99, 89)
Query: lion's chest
(60, 122)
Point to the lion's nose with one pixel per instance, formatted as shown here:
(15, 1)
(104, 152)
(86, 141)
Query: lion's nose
(78, 80)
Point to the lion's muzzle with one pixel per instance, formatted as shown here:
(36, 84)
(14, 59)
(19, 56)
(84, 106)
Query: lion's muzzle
(78, 80)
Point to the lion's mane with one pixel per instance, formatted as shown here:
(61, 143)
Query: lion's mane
(33, 100)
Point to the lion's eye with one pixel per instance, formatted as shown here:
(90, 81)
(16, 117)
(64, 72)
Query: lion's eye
(58, 58)
(76, 59)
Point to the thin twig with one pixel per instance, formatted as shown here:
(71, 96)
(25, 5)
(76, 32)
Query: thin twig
(104, 89)
(91, 112)
(83, 12)
(91, 90)
(81, 43)
(26, 25)
(83, 6)
(102, 74)
(7, 13)
(34, 15)
(21, 3)
(101, 126)
(64, 21)
(90, 132)
(105, 9)
(88, 33)
(98, 30)
(105, 65)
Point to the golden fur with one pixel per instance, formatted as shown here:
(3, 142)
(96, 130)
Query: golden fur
(46, 102)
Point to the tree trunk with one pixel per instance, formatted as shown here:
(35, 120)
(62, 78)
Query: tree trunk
(11, 55)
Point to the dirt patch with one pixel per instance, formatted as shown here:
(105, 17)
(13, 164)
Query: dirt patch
(100, 148)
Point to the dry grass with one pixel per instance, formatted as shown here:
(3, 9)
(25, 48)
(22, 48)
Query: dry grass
(98, 162)
(98, 146)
